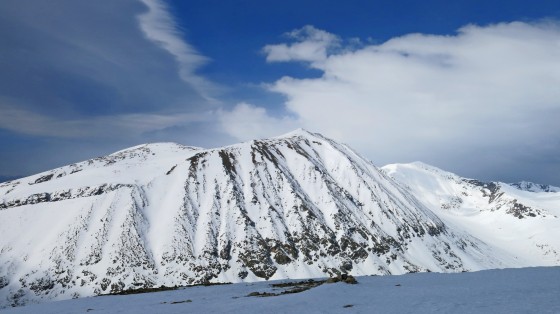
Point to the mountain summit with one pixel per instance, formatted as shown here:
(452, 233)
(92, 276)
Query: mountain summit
(295, 206)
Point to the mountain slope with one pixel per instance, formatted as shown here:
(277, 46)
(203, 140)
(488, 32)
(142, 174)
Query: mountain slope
(295, 206)
(520, 218)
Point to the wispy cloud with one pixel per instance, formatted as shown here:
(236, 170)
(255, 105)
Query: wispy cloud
(133, 125)
(99, 76)
(58, 72)
(160, 27)
(311, 45)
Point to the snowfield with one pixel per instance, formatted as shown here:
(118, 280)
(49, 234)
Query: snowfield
(525, 290)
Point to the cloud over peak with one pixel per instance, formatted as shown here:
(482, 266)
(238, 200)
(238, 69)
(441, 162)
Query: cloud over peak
(444, 99)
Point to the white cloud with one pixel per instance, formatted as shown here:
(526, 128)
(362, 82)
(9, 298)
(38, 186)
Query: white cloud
(312, 45)
(160, 27)
(84, 78)
(245, 122)
(93, 72)
(16, 119)
(443, 99)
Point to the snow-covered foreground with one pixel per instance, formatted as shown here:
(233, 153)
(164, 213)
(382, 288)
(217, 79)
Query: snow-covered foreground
(524, 290)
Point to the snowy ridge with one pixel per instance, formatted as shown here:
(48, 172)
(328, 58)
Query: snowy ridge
(294, 206)
(534, 187)
(524, 222)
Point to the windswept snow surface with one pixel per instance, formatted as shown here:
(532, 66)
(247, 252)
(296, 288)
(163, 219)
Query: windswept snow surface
(294, 206)
(526, 290)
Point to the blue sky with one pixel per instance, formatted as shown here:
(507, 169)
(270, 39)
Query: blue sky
(468, 86)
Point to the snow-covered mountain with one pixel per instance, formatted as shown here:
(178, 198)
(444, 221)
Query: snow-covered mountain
(521, 219)
(534, 187)
(295, 206)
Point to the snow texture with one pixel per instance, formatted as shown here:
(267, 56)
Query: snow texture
(527, 290)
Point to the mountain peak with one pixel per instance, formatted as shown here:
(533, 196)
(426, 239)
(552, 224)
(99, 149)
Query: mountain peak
(416, 166)
(159, 146)
(300, 132)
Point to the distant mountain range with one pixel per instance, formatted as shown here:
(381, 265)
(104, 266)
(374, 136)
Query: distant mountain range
(295, 206)
(533, 187)
(8, 178)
